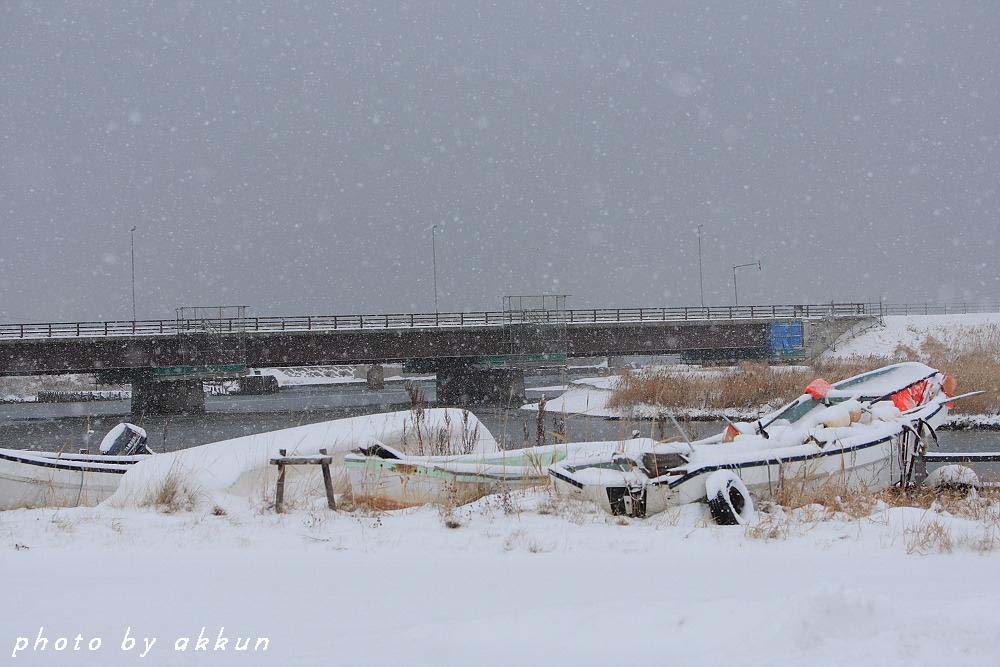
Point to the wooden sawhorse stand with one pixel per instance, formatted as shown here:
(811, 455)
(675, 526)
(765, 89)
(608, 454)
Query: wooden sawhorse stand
(323, 459)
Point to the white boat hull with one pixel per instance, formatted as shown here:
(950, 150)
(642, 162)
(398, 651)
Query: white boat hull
(32, 479)
(397, 485)
(407, 481)
(850, 467)
(871, 468)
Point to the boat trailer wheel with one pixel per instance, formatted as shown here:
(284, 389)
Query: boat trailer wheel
(728, 499)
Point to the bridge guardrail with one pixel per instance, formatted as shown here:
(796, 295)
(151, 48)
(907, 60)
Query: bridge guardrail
(129, 328)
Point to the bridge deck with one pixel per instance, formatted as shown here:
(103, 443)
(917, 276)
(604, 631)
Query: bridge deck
(129, 328)
(145, 348)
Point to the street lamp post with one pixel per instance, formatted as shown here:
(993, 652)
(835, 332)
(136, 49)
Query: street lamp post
(434, 265)
(736, 291)
(132, 239)
(701, 275)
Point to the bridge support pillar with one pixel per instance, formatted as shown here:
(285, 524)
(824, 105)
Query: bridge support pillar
(461, 385)
(168, 397)
(375, 377)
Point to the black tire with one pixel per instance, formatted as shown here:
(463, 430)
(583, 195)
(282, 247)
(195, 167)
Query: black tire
(728, 499)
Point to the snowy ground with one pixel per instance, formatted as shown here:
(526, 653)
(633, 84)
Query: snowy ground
(522, 580)
(957, 332)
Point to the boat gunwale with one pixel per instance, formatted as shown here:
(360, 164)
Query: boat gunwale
(65, 464)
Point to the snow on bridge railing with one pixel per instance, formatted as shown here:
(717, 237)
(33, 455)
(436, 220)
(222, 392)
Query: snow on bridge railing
(933, 308)
(129, 328)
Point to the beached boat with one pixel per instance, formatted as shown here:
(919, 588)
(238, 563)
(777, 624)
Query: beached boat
(241, 467)
(59, 479)
(864, 433)
(386, 478)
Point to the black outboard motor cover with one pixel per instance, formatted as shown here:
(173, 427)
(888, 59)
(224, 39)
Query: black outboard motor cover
(125, 440)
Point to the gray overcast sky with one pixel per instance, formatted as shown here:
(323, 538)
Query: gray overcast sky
(291, 156)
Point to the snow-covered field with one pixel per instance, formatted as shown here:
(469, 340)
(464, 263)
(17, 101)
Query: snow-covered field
(522, 580)
(525, 577)
(956, 332)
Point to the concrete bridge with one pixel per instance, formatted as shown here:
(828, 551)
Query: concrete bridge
(476, 355)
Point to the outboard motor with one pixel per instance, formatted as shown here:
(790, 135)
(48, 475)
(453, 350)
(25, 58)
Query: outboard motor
(125, 440)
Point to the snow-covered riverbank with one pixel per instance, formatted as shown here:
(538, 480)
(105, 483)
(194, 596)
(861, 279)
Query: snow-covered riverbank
(957, 333)
(523, 578)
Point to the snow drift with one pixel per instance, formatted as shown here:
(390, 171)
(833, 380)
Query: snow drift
(241, 466)
(958, 333)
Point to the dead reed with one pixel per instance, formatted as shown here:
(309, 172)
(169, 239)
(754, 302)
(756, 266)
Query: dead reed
(976, 366)
(172, 494)
(749, 385)
(421, 438)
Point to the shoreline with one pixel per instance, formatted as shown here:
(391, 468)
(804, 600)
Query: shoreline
(955, 422)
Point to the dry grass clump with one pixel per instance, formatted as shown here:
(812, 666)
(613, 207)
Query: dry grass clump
(985, 543)
(982, 504)
(799, 507)
(519, 540)
(448, 517)
(751, 385)
(747, 386)
(976, 504)
(928, 537)
(572, 510)
(423, 439)
(172, 495)
(833, 498)
(772, 526)
(447, 506)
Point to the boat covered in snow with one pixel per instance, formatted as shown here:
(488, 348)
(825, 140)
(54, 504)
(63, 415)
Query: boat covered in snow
(241, 467)
(863, 433)
(386, 478)
(58, 479)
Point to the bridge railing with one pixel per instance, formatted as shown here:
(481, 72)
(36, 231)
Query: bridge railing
(127, 328)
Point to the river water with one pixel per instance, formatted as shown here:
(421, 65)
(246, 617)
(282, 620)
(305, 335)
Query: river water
(73, 426)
